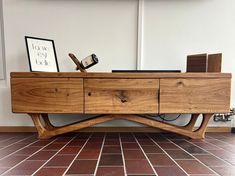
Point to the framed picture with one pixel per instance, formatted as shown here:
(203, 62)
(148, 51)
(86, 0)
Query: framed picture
(41, 54)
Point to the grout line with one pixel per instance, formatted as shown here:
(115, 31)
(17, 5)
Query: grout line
(123, 159)
(225, 143)
(145, 155)
(19, 150)
(17, 142)
(168, 155)
(219, 146)
(27, 157)
(212, 154)
(98, 160)
(8, 139)
(55, 154)
(76, 155)
(193, 156)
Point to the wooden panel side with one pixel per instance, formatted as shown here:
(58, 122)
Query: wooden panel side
(214, 62)
(46, 95)
(197, 63)
(125, 96)
(194, 95)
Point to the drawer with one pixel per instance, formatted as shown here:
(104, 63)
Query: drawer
(47, 95)
(195, 95)
(121, 96)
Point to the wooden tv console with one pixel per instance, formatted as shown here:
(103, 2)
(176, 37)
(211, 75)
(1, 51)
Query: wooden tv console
(120, 96)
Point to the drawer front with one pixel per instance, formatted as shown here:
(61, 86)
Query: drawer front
(194, 95)
(47, 95)
(124, 96)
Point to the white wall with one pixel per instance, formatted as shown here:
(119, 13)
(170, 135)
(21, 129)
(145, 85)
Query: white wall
(1, 44)
(171, 30)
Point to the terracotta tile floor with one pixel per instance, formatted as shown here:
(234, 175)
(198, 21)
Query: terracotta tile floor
(117, 154)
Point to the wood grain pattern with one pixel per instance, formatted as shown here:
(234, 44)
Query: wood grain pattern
(45, 95)
(121, 96)
(197, 134)
(194, 96)
(45, 133)
(214, 62)
(100, 75)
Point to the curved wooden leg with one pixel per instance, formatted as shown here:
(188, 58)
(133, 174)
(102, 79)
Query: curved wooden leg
(47, 122)
(198, 134)
(202, 129)
(38, 124)
(192, 122)
(44, 132)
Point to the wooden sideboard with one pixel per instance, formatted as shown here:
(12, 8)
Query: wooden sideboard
(120, 96)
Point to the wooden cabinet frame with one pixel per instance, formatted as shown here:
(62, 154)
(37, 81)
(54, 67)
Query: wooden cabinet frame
(125, 96)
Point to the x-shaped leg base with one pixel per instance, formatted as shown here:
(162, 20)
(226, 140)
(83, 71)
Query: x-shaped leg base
(47, 130)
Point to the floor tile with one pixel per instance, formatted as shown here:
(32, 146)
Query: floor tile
(3, 169)
(111, 149)
(89, 154)
(194, 167)
(207, 146)
(200, 155)
(225, 171)
(138, 167)
(61, 160)
(110, 171)
(111, 160)
(160, 160)
(168, 145)
(133, 154)
(124, 140)
(26, 168)
(146, 142)
(77, 143)
(179, 154)
(211, 160)
(222, 154)
(170, 171)
(113, 142)
(28, 150)
(130, 145)
(70, 150)
(41, 143)
(12, 160)
(53, 146)
(82, 167)
(15, 147)
(42, 155)
(93, 145)
(194, 149)
(51, 172)
(151, 149)
(4, 153)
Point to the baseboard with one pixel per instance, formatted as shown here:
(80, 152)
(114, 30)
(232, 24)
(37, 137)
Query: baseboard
(113, 129)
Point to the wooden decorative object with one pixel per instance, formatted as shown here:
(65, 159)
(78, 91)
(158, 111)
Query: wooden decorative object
(197, 63)
(120, 96)
(214, 62)
(77, 62)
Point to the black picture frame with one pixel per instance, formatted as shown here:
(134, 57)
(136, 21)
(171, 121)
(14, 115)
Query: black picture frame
(41, 54)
